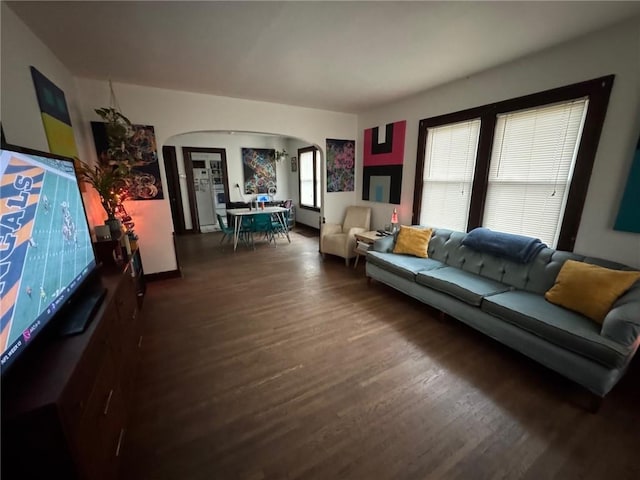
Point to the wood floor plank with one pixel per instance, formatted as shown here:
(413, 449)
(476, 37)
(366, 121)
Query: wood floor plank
(275, 363)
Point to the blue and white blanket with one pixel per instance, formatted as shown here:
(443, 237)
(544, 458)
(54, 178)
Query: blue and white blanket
(514, 247)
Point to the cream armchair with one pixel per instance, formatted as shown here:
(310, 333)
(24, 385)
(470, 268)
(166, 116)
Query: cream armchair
(340, 240)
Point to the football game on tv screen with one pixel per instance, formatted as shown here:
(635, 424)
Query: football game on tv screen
(45, 245)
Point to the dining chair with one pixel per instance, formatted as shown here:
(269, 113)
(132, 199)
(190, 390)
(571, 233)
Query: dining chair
(262, 224)
(227, 231)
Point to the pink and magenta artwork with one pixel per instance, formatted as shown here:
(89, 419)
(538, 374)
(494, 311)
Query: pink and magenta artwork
(340, 165)
(383, 157)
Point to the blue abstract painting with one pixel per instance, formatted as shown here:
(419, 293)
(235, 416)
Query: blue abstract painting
(628, 219)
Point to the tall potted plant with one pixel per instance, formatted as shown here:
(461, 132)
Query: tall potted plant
(111, 175)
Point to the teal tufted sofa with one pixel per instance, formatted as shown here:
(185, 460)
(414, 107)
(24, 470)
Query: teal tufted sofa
(505, 300)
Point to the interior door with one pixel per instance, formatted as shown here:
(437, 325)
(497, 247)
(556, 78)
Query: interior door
(173, 187)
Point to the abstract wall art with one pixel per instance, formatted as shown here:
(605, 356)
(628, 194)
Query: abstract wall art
(145, 180)
(628, 219)
(340, 165)
(383, 157)
(259, 168)
(55, 116)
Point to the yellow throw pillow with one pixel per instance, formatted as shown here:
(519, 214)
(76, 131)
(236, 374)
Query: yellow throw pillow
(413, 241)
(589, 289)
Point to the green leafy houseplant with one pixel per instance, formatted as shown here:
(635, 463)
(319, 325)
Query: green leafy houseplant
(108, 181)
(121, 153)
(112, 173)
(281, 155)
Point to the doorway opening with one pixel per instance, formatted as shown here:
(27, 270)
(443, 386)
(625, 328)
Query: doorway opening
(207, 185)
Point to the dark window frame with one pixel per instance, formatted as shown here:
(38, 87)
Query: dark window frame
(316, 159)
(597, 90)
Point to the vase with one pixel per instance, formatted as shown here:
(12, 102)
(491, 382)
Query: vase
(115, 227)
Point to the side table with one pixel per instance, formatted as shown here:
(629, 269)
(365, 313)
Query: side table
(364, 241)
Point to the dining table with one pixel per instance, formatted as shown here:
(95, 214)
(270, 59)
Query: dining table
(238, 213)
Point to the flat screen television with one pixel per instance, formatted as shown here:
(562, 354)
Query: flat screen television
(46, 253)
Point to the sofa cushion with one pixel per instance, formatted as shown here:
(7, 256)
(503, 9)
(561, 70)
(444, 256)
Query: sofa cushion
(468, 287)
(404, 265)
(589, 289)
(562, 327)
(413, 241)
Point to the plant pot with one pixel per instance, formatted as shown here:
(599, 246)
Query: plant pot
(115, 227)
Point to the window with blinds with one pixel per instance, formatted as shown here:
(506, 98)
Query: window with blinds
(520, 165)
(309, 177)
(449, 164)
(532, 161)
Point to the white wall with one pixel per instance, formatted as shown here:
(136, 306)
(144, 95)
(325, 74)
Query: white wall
(172, 113)
(612, 51)
(19, 110)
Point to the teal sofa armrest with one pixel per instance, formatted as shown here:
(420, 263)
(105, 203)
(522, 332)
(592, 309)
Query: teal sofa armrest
(384, 244)
(622, 323)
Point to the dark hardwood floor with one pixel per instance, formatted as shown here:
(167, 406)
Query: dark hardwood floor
(276, 364)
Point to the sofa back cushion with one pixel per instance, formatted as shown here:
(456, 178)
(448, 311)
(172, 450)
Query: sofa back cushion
(446, 246)
(537, 276)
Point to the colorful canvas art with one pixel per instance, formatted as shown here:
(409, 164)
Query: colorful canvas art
(259, 168)
(145, 183)
(628, 219)
(383, 157)
(55, 116)
(340, 165)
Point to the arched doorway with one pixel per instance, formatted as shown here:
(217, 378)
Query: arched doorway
(226, 146)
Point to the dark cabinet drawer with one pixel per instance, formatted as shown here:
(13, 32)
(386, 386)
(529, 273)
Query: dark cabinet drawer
(70, 411)
(76, 394)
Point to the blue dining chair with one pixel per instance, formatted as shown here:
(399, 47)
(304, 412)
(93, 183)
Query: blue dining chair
(278, 228)
(262, 225)
(227, 231)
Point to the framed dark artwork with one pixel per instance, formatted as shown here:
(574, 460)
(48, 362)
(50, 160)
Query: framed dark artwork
(628, 219)
(259, 167)
(340, 165)
(383, 157)
(294, 164)
(145, 183)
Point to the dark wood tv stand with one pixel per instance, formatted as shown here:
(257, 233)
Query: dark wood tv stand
(65, 407)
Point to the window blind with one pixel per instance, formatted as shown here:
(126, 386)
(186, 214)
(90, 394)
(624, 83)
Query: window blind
(532, 161)
(450, 155)
(318, 183)
(306, 179)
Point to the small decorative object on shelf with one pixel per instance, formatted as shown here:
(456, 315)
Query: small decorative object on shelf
(394, 220)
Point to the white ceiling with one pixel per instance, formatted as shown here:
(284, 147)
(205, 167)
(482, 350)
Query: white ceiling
(343, 56)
